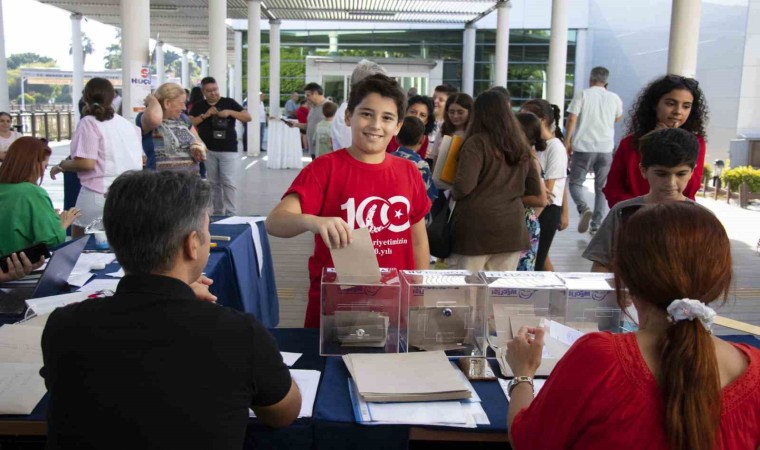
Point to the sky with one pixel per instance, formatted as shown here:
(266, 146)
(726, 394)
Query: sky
(49, 33)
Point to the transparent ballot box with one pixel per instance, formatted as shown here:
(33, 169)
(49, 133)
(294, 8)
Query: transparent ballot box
(359, 314)
(517, 299)
(442, 310)
(592, 302)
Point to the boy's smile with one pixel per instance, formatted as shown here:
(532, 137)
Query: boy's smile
(373, 123)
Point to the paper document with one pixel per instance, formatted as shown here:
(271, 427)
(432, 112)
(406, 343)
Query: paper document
(21, 345)
(100, 284)
(21, 387)
(87, 260)
(308, 382)
(563, 333)
(537, 385)
(46, 305)
(290, 358)
(118, 274)
(357, 260)
(79, 279)
(252, 221)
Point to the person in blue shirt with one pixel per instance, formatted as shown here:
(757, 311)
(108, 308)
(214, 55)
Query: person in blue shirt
(410, 139)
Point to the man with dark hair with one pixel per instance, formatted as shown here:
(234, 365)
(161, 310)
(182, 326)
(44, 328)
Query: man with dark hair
(215, 117)
(315, 97)
(155, 366)
(595, 111)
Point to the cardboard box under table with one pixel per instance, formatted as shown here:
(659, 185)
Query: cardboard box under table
(442, 310)
(360, 314)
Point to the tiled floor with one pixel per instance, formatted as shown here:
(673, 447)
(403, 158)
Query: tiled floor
(261, 188)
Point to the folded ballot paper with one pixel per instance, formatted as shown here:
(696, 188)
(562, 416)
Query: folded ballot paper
(557, 341)
(405, 377)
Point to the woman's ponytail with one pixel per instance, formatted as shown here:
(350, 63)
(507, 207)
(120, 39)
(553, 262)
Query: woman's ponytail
(556, 112)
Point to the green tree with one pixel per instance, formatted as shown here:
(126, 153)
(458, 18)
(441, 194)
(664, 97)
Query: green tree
(29, 59)
(112, 58)
(87, 48)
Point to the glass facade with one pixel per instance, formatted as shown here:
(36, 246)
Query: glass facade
(528, 56)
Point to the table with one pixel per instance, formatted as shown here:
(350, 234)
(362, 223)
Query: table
(284, 146)
(333, 425)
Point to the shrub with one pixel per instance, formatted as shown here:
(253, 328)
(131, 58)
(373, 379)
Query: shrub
(738, 175)
(707, 173)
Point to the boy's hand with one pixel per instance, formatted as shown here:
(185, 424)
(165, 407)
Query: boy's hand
(334, 231)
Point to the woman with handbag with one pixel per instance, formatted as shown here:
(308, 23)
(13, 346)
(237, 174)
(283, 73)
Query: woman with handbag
(168, 137)
(494, 172)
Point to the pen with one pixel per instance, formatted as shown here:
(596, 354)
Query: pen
(220, 238)
(212, 245)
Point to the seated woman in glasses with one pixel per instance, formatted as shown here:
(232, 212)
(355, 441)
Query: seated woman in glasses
(670, 385)
(668, 102)
(668, 157)
(28, 216)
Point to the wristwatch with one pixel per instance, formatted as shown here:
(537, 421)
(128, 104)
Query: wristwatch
(517, 380)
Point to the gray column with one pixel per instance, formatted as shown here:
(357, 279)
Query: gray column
(5, 103)
(217, 43)
(558, 55)
(684, 37)
(468, 59)
(502, 43)
(238, 78)
(274, 68)
(135, 42)
(333, 47)
(160, 69)
(254, 75)
(204, 66)
(77, 75)
(185, 71)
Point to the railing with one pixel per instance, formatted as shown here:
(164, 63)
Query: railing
(53, 125)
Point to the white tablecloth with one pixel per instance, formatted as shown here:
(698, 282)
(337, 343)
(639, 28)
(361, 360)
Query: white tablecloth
(284, 146)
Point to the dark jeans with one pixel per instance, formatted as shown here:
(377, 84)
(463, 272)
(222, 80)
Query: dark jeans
(581, 163)
(549, 219)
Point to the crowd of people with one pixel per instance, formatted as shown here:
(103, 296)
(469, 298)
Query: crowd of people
(672, 383)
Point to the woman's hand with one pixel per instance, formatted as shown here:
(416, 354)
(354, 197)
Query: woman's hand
(19, 266)
(68, 217)
(334, 231)
(55, 171)
(150, 100)
(196, 151)
(524, 351)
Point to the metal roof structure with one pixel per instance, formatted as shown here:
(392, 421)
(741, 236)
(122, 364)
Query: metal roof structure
(184, 23)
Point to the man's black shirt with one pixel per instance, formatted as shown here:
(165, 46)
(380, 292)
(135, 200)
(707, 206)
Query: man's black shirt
(206, 128)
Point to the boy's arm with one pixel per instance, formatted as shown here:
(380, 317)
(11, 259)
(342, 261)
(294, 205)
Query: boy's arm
(420, 246)
(286, 220)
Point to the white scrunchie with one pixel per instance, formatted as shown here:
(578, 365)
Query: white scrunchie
(688, 309)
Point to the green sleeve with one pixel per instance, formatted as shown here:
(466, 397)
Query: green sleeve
(45, 223)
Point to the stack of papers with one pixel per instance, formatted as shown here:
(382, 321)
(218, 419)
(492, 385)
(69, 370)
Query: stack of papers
(81, 274)
(405, 377)
(464, 413)
(21, 386)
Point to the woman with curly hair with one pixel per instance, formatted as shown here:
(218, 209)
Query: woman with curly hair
(671, 101)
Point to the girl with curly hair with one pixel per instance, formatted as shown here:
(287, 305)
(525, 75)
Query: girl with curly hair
(671, 101)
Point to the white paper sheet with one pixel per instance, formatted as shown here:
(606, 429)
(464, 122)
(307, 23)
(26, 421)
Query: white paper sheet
(79, 279)
(563, 333)
(100, 284)
(86, 260)
(308, 382)
(118, 274)
(21, 345)
(290, 358)
(251, 220)
(422, 413)
(21, 387)
(46, 305)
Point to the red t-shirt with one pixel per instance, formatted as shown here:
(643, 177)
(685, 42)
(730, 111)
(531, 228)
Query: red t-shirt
(301, 114)
(393, 145)
(625, 181)
(388, 198)
(601, 395)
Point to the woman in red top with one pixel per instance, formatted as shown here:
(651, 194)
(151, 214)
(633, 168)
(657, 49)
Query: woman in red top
(671, 101)
(672, 384)
(420, 107)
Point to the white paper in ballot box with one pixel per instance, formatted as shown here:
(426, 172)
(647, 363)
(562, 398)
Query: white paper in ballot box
(558, 339)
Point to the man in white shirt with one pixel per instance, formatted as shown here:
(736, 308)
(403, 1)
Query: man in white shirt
(341, 133)
(590, 140)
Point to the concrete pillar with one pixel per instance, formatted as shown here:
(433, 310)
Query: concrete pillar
(580, 76)
(160, 69)
(204, 66)
(185, 71)
(5, 103)
(238, 79)
(684, 37)
(231, 87)
(274, 68)
(468, 59)
(217, 43)
(254, 75)
(558, 55)
(135, 42)
(333, 48)
(77, 76)
(502, 43)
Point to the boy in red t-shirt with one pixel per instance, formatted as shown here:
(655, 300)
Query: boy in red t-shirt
(359, 187)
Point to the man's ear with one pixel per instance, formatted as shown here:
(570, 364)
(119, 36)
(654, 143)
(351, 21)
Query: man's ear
(192, 245)
(643, 171)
